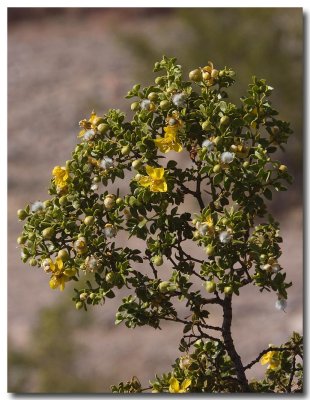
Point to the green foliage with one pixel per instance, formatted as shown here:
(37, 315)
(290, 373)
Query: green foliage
(229, 149)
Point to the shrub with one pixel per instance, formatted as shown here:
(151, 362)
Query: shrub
(229, 172)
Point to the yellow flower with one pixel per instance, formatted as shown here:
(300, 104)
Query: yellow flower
(87, 124)
(169, 141)
(271, 358)
(60, 275)
(61, 175)
(155, 179)
(175, 385)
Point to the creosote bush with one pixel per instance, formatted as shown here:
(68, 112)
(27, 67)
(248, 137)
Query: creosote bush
(228, 171)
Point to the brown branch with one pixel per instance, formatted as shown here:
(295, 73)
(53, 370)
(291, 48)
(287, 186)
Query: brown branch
(229, 344)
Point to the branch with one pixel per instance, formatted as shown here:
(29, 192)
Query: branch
(229, 344)
(289, 386)
(250, 365)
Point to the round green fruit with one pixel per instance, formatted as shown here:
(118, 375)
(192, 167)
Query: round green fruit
(21, 214)
(210, 286)
(48, 233)
(195, 75)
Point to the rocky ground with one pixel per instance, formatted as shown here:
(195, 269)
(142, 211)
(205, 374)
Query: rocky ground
(59, 69)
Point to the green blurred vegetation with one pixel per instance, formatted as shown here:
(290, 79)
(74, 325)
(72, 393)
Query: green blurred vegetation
(53, 359)
(266, 42)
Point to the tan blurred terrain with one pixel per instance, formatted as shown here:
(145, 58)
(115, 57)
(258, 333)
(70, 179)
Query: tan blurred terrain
(59, 69)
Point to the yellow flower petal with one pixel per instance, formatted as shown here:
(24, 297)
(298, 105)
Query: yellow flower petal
(81, 133)
(60, 264)
(145, 181)
(69, 272)
(171, 130)
(177, 147)
(159, 186)
(62, 280)
(54, 282)
(174, 385)
(265, 359)
(158, 173)
(186, 383)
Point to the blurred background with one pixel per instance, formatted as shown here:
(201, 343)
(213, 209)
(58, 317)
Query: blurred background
(64, 62)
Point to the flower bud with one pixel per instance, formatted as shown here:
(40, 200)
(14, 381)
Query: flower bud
(63, 200)
(125, 150)
(214, 73)
(103, 128)
(160, 80)
(263, 257)
(83, 296)
(163, 286)
(228, 290)
(109, 201)
(206, 125)
(33, 262)
(206, 76)
(283, 168)
(135, 106)
(137, 164)
(63, 254)
(217, 168)
(164, 104)
(92, 296)
(195, 75)
(210, 286)
(210, 250)
(245, 164)
(110, 277)
(152, 96)
(47, 203)
(157, 260)
(89, 220)
(224, 120)
(21, 240)
(119, 201)
(21, 214)
(48, 233)
(78, 305)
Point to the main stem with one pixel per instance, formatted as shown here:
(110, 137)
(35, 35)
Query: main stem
(229, 344)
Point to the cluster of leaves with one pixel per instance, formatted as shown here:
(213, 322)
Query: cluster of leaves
(229, 152)
(209, 369)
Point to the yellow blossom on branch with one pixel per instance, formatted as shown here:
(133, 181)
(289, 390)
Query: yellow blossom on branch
(60, 275)
(169, 141)
(271, 358)
(61, 175)
(175, 386)
(87, 124)
(155, 180)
